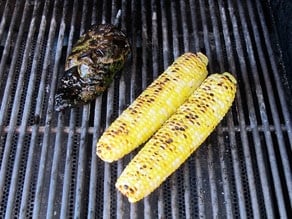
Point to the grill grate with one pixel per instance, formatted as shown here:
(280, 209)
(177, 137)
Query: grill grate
(48, 166)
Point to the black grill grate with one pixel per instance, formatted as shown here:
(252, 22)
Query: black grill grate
(48, 166)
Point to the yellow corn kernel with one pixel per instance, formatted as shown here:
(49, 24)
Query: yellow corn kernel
(153, 107)
(178, 137)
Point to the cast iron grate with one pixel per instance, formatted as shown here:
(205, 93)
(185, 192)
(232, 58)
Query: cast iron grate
(48, 166)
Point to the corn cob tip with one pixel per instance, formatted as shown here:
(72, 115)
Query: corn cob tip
(230, 77)
(203, 58)
(101, 156)
(126, 190)
(200, 55)
(105, 152)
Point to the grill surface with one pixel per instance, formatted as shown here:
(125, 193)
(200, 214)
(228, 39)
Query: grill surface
(47, 159)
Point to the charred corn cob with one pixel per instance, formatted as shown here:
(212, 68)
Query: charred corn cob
(154, 105)
(179, 137)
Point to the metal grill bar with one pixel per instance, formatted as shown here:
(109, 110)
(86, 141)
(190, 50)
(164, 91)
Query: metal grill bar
(236, 165)
(46, 139)
(8, 41)
(48, 166)
(57, 150)
(284, 109)
(254, 198)
(26, 185)
(253, 121)
(235, 156)
(66, 129)
(277, 183)
(69, 165)
(15, 111)
(6, 152)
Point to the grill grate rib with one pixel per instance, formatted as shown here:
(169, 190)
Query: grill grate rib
(48, 166)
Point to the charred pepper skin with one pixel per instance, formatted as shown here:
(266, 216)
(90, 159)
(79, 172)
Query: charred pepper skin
(90, 68)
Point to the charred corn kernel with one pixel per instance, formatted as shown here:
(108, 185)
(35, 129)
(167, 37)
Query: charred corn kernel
(154, 105)
(179, 137)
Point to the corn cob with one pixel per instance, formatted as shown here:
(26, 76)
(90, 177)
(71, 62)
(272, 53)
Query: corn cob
(179, 137)
(154, 105)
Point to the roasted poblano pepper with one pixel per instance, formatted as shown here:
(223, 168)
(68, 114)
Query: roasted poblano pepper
(90, 68)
